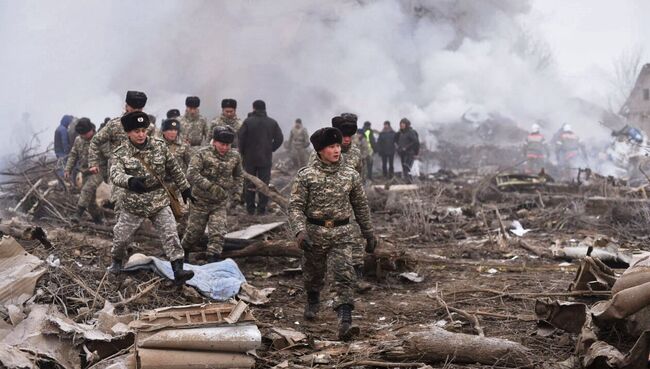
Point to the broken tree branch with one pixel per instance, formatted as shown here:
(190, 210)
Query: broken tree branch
(264, 189)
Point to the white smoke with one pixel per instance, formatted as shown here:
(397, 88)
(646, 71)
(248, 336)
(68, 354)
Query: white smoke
(427, 60)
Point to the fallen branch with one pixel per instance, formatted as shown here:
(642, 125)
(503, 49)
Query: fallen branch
(276, 248)
(264, 189)
(144, 291)
(472, 318)
(380, 364)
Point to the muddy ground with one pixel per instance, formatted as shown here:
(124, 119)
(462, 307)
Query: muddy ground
(449, 229)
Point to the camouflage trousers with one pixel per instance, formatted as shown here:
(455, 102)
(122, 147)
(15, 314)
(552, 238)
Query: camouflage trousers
(359, 246)
(165, 225)
(299, 158)
(332, 249)
(89, 191)
(213, 216)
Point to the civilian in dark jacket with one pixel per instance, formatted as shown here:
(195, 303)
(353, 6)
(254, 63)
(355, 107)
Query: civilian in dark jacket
(62, 143)
(386, 149)
(259, 137)
(408, 146)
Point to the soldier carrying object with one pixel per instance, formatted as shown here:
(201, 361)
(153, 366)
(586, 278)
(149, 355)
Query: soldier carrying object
(324, 196)
(140, 164)
(215, 172)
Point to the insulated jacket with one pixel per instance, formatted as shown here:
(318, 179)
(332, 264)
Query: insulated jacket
(259, 137)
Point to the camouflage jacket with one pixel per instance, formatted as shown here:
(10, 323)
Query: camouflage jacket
(78, 155)
(328, 192)
(181, 152)
(215, 177)
(194, 131)
(160, 160)
(298, 139)
(222, 121)
(106, 141)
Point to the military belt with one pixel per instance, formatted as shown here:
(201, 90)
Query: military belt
(329, 223)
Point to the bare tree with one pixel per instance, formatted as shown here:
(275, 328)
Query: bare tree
(626, 70)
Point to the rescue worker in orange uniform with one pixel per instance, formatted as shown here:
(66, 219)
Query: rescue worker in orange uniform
(568, 151)
(535, 151)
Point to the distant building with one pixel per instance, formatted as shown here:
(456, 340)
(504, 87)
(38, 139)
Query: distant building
(637, 107)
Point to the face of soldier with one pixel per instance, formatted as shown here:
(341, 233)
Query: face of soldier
(330, 154)
(222, 148)
(137, 136)
(88, 135)
(229, 112)
(192, 112)
(170, 134)
(347, 140)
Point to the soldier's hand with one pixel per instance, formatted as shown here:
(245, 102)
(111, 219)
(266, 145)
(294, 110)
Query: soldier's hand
(371, 243)
(66, 175)
(303, 240)
(187, 195)
(136, 184)
(93, 170)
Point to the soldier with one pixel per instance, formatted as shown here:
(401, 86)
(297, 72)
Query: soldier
(215, 172)
(110, 138)
(535, 150)
(140, 163)
(170, 130)
(298, 144)
(195, 127)
(360, 140)
(323, 198)
(347, 124)
(79, 156)
(228, 118)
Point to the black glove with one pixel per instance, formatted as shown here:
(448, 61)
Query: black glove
(136, 184)
(371, 243)
(303, 240)
(187, 195)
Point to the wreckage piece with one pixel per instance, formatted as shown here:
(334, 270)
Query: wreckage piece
(264, 189)
(638, 273)
(568, 316)
(623, 304)
(253, 231)
(184, 359)
(593, 275)
(516, 181)
(601, 355)
(439, 345)
(608, 255)
(188, 316)
(230, 338)
(21, 230)
(19, 272)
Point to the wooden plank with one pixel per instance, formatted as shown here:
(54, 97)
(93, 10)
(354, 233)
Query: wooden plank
(253, 231)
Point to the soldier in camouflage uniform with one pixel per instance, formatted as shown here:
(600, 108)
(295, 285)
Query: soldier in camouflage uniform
(297, 145)
(139, 166)
(324, 196)
(228, 118)
(195, 126)
(79, 156)
(110, 138)
(215, 172)
(170, 130)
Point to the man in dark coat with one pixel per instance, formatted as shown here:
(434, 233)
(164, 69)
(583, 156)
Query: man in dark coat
(259, 137)
(408, 146)
(386, 149)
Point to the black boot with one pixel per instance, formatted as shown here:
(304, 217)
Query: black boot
(116, 266)
(181, 276)
(98, 219)
(76, 217)
(311, 308)
(213, 258)
(346, 329)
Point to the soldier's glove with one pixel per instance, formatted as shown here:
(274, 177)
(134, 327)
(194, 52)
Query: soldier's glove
(303, 241)
(187, 195)
(371, 243)
(136, 184)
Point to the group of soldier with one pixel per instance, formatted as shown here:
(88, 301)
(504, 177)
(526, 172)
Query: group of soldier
(193, 161)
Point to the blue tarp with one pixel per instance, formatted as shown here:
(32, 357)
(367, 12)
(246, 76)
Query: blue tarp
(219, 281)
